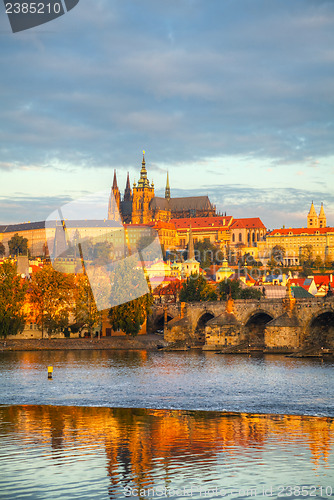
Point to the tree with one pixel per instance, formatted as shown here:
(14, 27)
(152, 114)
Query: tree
(229, 288)
(328, 263)
(233, 289)
(196, 289)
(250, 293)
(86, 313)
(12, 297)
(306, 255)
(248, 260)
(318, 262)
(18, 245)
(129, 293)
(306, 259)
(277, 256)
(130, 317)
(2, 249)
(51, 294)
(207, 253)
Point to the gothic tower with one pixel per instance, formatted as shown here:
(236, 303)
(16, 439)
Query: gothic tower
(167, 190)
(114, 201)
(312, 218)
(127, 191)
(126, 204)
(141, 197)
(322, 217)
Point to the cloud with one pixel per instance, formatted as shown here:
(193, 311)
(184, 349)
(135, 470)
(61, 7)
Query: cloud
(34, 208)
(275, 206)
(185, 80)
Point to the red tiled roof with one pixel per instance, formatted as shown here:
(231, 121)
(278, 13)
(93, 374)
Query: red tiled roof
(254, 222)
(200, 223)
(297, 281)
(322, 279)
(161, 224)
(301, 230)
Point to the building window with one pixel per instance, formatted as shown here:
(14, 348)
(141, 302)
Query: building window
(240, 237)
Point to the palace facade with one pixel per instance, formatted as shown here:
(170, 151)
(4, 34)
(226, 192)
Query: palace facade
(316, 240)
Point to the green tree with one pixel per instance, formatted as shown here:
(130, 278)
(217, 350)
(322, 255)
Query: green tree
(248, 260)
(229, 288)
(196, 289)
(12, 297)
(86, 313)
(18, 245)
(129, 289)
(2, 249)
(277, 256)
(318, 262)
(51, 294)
(306, 259)
(234, 289)
(306, 255)
(129, 317)
(250, 293)
(207, 253)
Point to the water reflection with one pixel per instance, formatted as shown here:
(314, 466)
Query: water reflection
(123, 448)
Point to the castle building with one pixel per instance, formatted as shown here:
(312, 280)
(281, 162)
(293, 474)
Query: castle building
(174, 219)
(316, 239)
(141, 206)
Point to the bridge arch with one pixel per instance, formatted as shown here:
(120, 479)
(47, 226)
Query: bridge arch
(201, 322)
(320, 332)
(159, 321)
(255, 327)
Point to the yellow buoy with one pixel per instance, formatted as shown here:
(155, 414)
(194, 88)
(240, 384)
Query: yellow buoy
(50, 370)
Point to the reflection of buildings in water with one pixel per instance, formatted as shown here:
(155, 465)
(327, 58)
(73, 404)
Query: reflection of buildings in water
(135, 441)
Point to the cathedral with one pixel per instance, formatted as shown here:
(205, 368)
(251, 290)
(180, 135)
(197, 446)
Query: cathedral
(141, 206)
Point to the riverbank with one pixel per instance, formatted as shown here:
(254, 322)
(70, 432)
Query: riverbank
(147, 342)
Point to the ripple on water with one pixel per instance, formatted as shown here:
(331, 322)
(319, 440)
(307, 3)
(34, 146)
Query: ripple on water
(88, 452)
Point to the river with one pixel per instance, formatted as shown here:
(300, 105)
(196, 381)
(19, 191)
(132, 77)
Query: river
(115, 424)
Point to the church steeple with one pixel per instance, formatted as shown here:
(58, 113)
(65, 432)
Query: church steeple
(127, 191)
(322, 217)
(312, 218)
(142, 195)
(143, 181)
(114, 184)
(167, 190)
(114, 201)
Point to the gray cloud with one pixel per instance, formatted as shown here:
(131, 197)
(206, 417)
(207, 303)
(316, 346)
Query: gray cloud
(251, 77)
(275, 206)
(33, 208)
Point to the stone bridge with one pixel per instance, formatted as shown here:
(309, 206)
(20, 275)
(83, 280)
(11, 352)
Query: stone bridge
(274, 324)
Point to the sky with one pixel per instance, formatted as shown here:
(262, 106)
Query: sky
(235, 98)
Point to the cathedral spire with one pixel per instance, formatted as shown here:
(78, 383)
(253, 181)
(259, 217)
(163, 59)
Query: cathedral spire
(167, 190)
(114, 184)
(127, 191)
(143, 181)
(114, 201)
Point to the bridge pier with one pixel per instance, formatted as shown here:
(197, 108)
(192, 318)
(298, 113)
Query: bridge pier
(276, 325)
